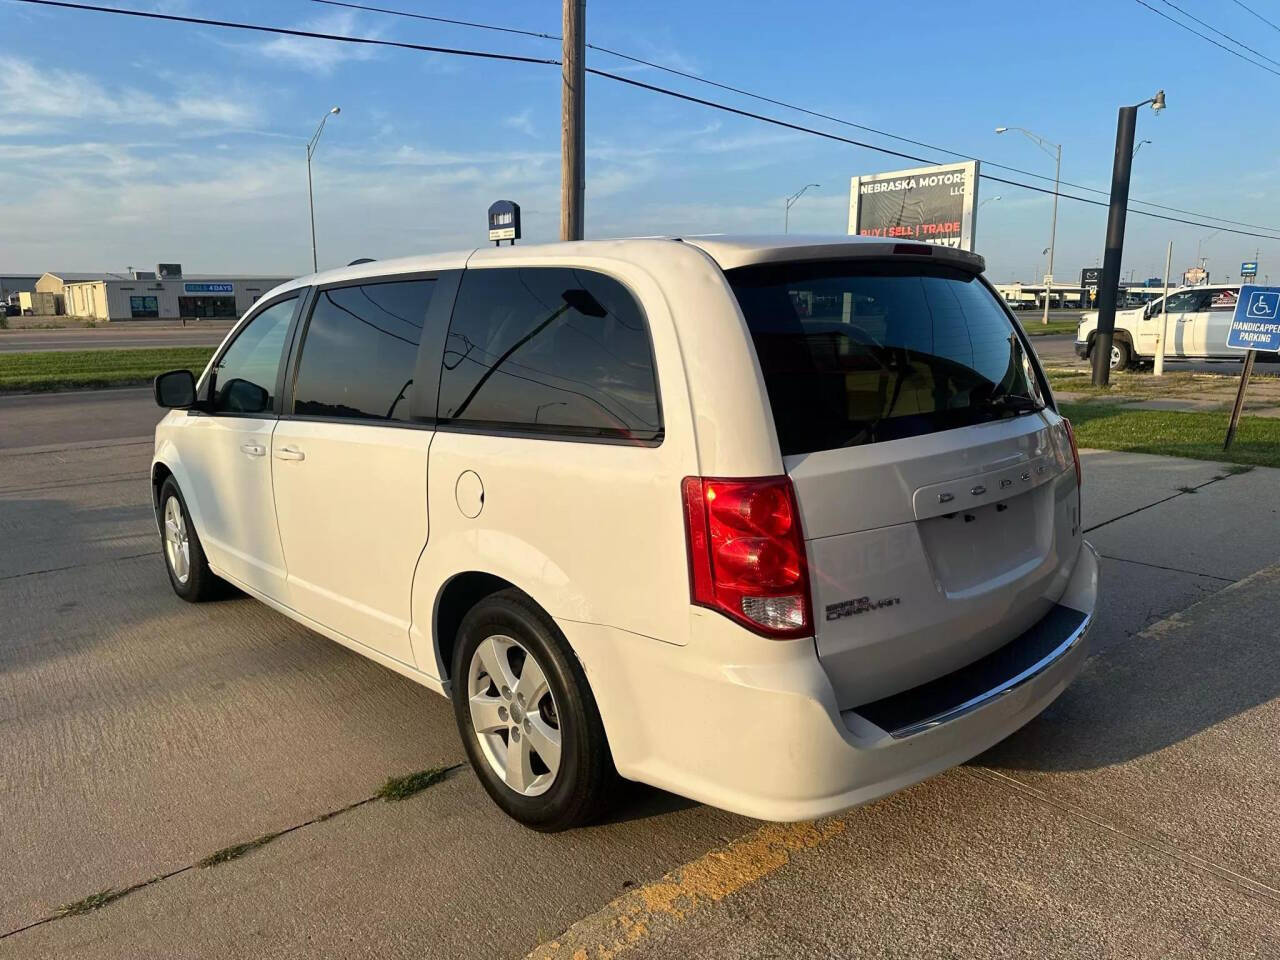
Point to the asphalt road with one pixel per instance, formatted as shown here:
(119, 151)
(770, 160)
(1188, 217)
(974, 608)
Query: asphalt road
(208, 334)
(1059, 350)
(139, 734)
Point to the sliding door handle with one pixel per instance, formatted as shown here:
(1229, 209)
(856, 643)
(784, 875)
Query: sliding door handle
(290, 453)
(253, 449)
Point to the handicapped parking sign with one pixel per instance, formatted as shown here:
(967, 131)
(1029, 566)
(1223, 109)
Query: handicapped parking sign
(1256, 324)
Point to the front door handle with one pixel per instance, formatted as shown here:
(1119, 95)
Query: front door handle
(253, 449)
(290, 453)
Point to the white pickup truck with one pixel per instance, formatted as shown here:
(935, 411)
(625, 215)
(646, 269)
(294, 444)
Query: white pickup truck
(1198, 321)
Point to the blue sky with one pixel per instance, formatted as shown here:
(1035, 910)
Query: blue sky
(125, 142)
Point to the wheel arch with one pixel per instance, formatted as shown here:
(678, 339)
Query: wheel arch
(455, 598)
(168, 463)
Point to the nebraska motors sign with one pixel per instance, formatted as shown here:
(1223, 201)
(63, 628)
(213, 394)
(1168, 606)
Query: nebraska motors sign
(930, 204)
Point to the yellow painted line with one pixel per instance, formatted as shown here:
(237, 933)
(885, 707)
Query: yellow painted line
(629, 920)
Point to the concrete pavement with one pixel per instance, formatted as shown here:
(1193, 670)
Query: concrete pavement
(139, 734)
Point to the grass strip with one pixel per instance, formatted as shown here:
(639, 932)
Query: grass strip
(1195, 435)
(1034, 328)
(83, 369)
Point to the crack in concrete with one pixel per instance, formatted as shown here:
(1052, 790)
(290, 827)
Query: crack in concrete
(77, 566)
(1181, 492)
(1157, 566)
(102, 898)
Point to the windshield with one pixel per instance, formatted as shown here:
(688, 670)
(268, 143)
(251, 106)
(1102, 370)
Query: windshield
(861, 351)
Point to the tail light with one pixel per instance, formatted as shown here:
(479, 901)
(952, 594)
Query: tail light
(746, 553)
(1075, 450)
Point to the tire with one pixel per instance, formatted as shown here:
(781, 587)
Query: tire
(184, 559)
(506, 633)
(1121, 355)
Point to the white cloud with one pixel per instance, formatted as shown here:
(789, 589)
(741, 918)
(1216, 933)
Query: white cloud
(43, 96)
(521, 121)
(322, 56)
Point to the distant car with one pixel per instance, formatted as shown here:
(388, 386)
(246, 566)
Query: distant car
(1199, 318)
(11, 309)
(779, 524)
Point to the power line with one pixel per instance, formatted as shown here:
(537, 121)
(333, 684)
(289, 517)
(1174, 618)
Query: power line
(906, 156)
(1226, 36)
(1269, 23)
(780, 103)
(451, 22)
(285, 31)
(340, 38)
(1179, 23)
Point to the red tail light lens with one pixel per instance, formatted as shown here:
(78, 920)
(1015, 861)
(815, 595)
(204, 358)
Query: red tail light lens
(1075, 450)
(746, 553)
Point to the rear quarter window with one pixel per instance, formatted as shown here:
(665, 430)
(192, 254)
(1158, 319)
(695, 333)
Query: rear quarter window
(549, 350)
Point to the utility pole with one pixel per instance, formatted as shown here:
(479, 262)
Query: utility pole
(1126, 125)
(572, 116)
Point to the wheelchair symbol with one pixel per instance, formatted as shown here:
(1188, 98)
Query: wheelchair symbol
(1263, 305)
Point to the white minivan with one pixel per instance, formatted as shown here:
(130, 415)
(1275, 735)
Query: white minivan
(781, 525)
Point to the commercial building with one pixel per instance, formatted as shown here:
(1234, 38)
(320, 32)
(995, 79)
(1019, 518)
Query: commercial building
(161, 294)
(13, 284)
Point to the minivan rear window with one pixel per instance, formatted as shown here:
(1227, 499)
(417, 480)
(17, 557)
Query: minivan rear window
(863, 351)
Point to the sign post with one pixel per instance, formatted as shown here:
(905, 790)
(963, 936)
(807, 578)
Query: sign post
(504, 222)
(1164, 315)
(1255, 326)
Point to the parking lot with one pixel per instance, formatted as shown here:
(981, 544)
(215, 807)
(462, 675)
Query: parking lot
(141, 735)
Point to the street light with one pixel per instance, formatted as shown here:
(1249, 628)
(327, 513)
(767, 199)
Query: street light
(791, 200)
(1200, 243)
(311, 150)
(1126, 127)
(1139, 146)
(988, 200)
(1056, 153)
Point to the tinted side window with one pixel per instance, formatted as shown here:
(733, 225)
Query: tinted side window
(550, 349)
(245, 376)
(360, 351)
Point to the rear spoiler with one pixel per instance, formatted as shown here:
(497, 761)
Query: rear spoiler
(855, 249)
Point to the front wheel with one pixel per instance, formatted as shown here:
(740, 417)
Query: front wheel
(184, 558)
(1121, 357)
(527, 717)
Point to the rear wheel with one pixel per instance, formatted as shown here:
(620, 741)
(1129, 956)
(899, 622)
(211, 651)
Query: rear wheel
(526, 716)
(189, 572)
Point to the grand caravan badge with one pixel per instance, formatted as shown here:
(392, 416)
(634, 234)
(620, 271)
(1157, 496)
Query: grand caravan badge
(851, 608)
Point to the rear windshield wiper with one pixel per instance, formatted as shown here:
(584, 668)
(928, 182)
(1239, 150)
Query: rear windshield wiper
(1012, 402)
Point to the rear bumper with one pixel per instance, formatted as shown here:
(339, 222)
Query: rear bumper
(765, 738)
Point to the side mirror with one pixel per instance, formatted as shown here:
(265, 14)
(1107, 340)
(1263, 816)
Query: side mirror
(176, 389)
(243, 396)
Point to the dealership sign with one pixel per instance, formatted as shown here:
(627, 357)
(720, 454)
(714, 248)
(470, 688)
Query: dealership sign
(208, 288)
(930, 204)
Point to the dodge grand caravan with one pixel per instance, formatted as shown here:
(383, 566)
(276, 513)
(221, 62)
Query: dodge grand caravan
(781, 525)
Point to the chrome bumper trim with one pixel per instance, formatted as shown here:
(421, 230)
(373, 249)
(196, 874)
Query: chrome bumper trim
(995, 693)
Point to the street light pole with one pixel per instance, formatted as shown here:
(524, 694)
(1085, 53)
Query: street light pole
(791, 200)
(1056, 153)
(1126, 125)
(311, 203)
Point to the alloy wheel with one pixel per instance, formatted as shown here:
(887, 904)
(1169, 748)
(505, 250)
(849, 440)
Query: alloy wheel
(514, 715)
(177, 548)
